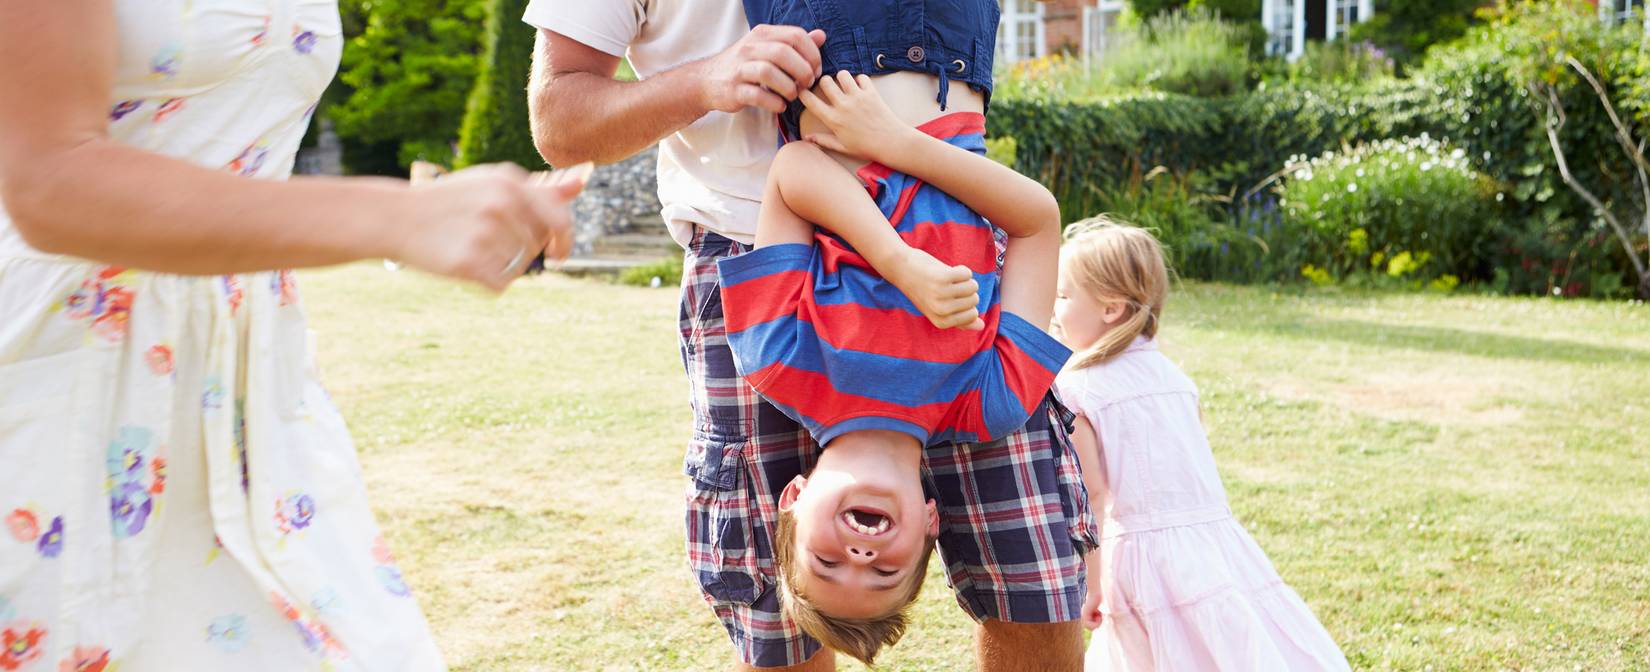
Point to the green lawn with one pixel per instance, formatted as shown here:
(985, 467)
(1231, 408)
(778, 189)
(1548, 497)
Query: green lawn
(1453, 483)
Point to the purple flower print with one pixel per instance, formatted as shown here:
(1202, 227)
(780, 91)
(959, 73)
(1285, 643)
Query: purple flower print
(124, 108)
(228, 633)
(297, 512)
(165, 62)
(128, 454)
(304, 42)
(51, 543)
(130, 506)
(390, 576)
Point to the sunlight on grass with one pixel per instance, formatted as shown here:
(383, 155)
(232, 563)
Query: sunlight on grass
(1461, 482)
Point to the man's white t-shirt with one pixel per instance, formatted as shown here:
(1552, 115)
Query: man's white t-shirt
(712, 172)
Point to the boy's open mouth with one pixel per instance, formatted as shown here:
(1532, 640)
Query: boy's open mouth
(867, 522)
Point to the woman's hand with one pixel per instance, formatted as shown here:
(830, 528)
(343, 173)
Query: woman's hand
(485, 223)
(861, 124)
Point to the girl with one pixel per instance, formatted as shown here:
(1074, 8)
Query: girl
(1177, 584)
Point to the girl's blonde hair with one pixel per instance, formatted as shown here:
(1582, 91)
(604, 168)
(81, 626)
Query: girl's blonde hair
(1116, 262)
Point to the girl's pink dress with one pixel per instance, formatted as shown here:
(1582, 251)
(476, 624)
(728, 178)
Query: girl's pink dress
(1186, 588)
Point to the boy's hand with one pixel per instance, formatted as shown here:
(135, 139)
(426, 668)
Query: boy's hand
(860, 123)
(947, 295)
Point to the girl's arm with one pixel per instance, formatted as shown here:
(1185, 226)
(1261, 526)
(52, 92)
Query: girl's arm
(862, 125)
(1086, 442)
(70, 189)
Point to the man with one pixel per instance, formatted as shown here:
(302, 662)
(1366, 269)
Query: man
(1014, 521)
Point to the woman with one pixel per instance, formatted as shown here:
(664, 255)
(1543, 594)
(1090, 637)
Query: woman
(177, 491)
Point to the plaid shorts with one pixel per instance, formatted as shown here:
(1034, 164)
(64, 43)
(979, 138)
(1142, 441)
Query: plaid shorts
(1014, 516)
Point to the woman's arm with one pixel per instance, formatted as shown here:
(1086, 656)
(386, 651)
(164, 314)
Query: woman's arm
(71, 190)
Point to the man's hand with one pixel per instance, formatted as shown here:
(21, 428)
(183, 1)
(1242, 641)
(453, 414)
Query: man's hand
(764, 69)
(861, 123)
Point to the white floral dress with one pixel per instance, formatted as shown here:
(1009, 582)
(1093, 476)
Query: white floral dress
(176, 491)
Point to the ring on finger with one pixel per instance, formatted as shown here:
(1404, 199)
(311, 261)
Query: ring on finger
(521, 253)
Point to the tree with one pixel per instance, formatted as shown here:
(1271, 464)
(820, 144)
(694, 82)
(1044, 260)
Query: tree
(1406, 28)
(406, 72)
(1573, 65)
(495, 125)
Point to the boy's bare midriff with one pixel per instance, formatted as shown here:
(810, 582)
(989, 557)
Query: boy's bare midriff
(914, 97)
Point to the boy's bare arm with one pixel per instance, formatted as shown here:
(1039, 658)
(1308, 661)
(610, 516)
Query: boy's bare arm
(805, 183)
(863, 125)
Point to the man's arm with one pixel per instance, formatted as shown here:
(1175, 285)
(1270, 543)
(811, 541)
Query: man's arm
(580, 113)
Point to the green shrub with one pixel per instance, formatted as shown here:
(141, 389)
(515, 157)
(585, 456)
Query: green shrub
(668, 272)
(1341, 62)
(1411, 210)
(1188, 52)
(495, 122)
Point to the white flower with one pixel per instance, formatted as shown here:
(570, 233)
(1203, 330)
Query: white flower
(1352, 188)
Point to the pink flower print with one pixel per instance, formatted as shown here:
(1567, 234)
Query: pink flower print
(381, 551)
(251, 159)
(165, 63)
(232, 291)
(24, 526)
(168, 108)
(159, 359)
(20, 644)
(158, 468)
(117, 312)
(303, 41)
(123, 108)
(263, 34)
(85, 659)
(51, 543)
(284, 285)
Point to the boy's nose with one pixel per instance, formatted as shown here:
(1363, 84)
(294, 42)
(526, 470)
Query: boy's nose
(861, 555)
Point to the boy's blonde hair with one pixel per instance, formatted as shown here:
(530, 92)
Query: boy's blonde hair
(861, 638)
(1116, 262)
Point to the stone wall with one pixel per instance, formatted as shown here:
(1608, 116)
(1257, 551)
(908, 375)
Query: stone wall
(616, 198)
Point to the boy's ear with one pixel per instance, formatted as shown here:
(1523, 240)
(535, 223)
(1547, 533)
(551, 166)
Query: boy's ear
(933, 520)
(792, 491)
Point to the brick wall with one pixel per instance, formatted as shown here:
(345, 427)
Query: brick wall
(1063, 25)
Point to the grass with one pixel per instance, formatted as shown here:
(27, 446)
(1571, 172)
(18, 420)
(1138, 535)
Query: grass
(1452, 482)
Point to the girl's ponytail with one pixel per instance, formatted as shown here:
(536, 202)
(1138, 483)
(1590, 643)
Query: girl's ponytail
(1115, 262)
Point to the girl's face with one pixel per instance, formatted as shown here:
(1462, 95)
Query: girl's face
(1080, 317)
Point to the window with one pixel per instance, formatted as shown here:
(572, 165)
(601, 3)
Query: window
(1020, 35)
(1282, 24)
(1621, 10)
(1346, 14)
(1098, 24)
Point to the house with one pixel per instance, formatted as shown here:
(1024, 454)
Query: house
(1623, 10)
(1032, 29)
(1291, 23)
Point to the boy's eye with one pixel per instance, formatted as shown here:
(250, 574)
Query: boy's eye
(826, 563)
(885, 573)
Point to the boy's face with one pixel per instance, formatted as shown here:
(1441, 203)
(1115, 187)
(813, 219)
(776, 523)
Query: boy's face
(857, 541)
